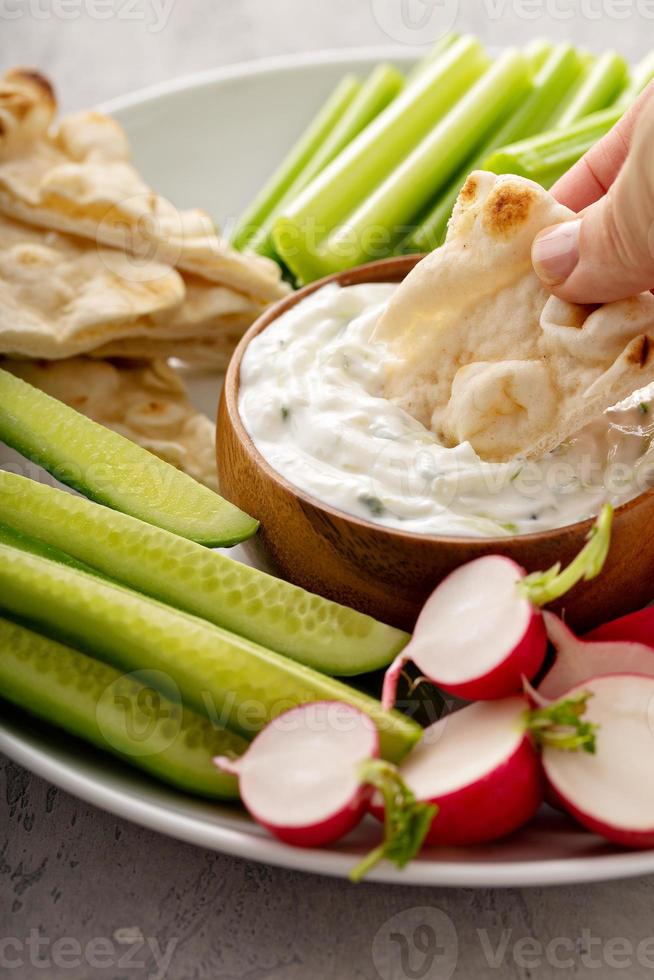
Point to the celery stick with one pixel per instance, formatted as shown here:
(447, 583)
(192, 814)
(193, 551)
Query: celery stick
(296, 160)
(537, 53)
(546, 157)
(219, 675)
(552, 81)
(118, 713)
(439, 48)
(640, 78)
(411, 185)
(378, 91)
(244, 600)
(599, 89)
(374, 154)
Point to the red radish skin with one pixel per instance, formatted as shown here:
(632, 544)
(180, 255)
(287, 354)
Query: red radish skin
(477, 636)
(299, 778)
(637, 627)
(480, 767)
(612, 791)
(579, 660)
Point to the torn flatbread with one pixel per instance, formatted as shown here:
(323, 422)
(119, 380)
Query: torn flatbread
(61, 296)
(147, 403)
(481, 353)
(212, 352)
(77, 177)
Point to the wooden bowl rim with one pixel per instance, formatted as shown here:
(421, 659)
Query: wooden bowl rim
(381, 270)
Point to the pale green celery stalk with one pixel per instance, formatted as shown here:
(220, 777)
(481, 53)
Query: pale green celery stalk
(555, 77)
(599, 89)
(378, 91)
(537, 53)
(374, 154)
(296, 160)
(641, 76)
(439, 48)
(378, 221)
(546, 157)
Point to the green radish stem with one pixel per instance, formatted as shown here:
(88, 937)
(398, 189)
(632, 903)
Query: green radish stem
(121, 714)
(219, 675)
(374, 154)
(599, 89)
(378, 91)
(561, 725)
(543, 587)
(295, 161)
(555, 77)
(406, 821)
(323, 634)
(397, 201)
(111, 469)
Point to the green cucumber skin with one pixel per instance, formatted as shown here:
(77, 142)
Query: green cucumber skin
(108, 468)
(322, 634)
(234, 682)
(95, 702)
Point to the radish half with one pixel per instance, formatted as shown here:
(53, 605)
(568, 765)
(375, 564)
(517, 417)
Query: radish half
(611, 792)
(480, 767)
(300, 776)
(579, 660)
(309, 775)
(637, 627)
(477, 635)
(481, 632)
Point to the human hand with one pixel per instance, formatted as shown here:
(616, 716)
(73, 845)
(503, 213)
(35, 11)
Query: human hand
(607, 253)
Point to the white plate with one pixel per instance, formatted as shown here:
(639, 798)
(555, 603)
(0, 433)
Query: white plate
(209, 141)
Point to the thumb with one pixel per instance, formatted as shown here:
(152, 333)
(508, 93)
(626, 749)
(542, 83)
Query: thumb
(607, 253)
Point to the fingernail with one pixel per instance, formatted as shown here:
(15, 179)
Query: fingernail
(555, 252)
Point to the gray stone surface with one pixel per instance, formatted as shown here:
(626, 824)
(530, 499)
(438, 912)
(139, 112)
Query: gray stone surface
(73, 874)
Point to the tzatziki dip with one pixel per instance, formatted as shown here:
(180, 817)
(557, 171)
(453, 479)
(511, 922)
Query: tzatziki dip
(310, 399)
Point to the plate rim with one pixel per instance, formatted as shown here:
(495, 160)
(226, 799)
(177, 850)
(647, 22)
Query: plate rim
(331, 863)
(273, 64)
(20, 746)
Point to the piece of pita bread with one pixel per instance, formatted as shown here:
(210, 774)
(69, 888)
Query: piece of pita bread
(212, 352)
(61, 296)
(77, 177)
(483, 354)
(147, 403)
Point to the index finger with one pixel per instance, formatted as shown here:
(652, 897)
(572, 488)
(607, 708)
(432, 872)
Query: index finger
(591, 177)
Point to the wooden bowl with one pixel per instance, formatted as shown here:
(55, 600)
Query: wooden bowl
(389, 573)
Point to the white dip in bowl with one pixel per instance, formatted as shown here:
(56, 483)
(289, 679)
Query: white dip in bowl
(308, 398)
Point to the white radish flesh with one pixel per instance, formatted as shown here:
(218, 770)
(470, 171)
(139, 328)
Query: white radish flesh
(611, 792)
(480, 767)
(579, 660)
(300, 777)
(477, 635)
